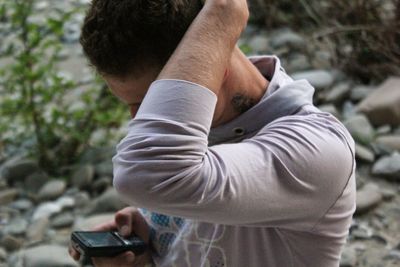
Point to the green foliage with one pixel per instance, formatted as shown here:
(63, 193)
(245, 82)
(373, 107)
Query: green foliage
(37, 113)
(246, 49)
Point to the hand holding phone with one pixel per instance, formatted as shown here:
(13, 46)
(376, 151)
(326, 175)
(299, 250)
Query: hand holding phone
(106, 243)
(127, 222)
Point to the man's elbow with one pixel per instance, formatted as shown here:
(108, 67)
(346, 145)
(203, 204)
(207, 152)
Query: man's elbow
(119, 183)
(129, 186)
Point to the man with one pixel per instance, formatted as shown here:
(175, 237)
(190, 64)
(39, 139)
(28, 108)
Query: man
(272, 183)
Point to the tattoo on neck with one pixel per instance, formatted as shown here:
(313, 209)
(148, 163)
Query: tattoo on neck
(242, 103)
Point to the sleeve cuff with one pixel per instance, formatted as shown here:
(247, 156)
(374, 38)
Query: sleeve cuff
(180, 101)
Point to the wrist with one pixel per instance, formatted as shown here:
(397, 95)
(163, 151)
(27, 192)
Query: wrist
(221, 28)
(233, 13)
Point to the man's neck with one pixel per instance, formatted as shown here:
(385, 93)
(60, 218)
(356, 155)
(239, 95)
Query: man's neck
(243, 88)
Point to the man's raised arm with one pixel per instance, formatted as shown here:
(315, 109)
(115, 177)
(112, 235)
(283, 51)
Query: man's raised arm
(204, 52)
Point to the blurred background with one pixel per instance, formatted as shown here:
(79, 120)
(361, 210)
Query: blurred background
(59, 124)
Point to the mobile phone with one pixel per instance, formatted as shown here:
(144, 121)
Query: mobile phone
(106, 244)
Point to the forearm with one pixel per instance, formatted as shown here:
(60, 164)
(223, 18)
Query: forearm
(205, 51)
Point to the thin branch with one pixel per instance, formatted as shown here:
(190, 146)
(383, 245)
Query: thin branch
(310, 12)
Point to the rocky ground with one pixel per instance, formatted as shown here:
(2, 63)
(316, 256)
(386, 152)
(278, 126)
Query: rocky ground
(38, 212)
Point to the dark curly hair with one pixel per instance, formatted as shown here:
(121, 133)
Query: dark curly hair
(124, 36)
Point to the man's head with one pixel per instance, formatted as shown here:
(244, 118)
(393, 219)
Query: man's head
(129, 41)
(127, 37)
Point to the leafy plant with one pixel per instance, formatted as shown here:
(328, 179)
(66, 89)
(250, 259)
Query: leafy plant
(37, 113)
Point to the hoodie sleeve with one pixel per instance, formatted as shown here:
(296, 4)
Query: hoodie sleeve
(288, 175)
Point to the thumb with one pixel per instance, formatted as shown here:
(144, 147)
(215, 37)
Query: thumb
(124, 223)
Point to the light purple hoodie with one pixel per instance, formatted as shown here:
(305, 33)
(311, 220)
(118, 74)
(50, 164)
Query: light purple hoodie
(275, 187)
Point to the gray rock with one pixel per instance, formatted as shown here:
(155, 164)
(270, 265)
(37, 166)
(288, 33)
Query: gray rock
(35, 181)
(41, 5)
(102, 184)
(382, 106)
(11, 243)
(3, 254)
(320, 79)
(18, 169)
(66, 76)
(22, 204)
(37, 230)
(60, 237)
(388, 193)
(16, 227)
(8, 196)
(6, 215)
(66, 202)
(82, 199)
(380, 150)
(338, 93)
(72, 191)
(105, 168)
(330, 109)
(259, 44)
(380, 238)
(362, 231)
(365, 154)
(48, 256)
(99, 135)
(384, 130)
(298, 62)
(360, 128)
(64, 54)
(348, 110)
(391, 142)
(288, 38)
(360, 92)
(87, 78)
(95, 155)
(109, 201)
(3, 183)
(83, 176)
(13, 260)
(348, 258)
(86, 224)
(360, 180)
(380, 219)
(63, 220)
(322, 60)
(368, 197)
(37, 18)
(72, 32)
(52, 189)
(339, 75)
(388, 166)
(393, 255)
(46, 209)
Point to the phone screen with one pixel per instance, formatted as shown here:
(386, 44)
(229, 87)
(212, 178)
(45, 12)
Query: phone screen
(104, 239)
